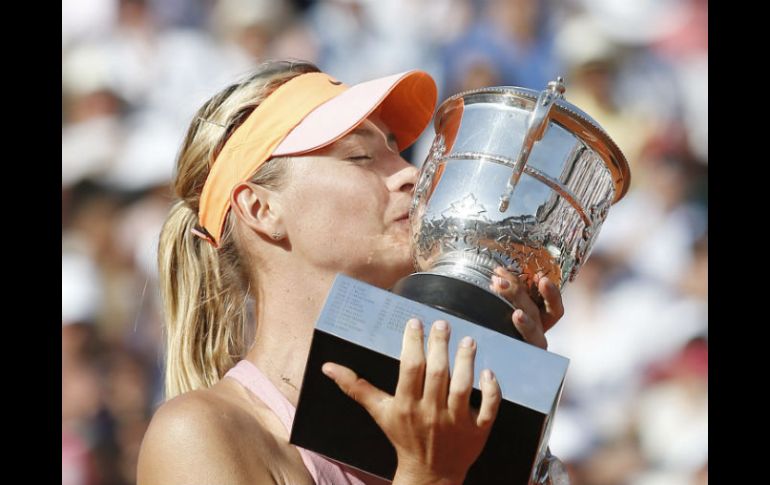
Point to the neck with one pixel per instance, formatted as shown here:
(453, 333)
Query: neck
(288, 304)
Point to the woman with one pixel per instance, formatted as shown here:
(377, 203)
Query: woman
(285, 180)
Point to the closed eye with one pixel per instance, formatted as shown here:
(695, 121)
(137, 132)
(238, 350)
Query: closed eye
(360, 157)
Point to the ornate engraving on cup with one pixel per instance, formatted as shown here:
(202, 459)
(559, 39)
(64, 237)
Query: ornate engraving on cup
(561, 197)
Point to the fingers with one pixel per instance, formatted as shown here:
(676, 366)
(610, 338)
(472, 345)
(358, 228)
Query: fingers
(530, 330)
(554, 307)
(461, 384)
(412, 366)
(356, 388)
(490, 400)
(534, 322)
(437, 366)
(515, 291)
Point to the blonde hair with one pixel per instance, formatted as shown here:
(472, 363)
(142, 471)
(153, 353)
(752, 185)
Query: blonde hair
(205, 290)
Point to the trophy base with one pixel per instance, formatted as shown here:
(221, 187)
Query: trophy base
(362, 327)
(459, 298)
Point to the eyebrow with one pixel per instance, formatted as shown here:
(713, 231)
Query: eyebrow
(367, 133)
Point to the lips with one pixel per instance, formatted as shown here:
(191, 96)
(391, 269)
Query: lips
(403, 214)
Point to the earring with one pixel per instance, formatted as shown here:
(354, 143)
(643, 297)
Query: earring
(277, 235)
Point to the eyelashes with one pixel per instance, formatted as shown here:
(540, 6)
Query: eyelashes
(360, 158)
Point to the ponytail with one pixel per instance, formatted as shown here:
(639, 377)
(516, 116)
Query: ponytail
(205, 290)
(205, 309)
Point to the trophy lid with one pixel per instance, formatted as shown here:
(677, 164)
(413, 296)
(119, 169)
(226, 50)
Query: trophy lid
(564, 113)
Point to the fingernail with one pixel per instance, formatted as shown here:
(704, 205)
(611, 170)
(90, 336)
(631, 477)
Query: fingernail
(415, 324)
(440, 325)
(487, 375)
(466, 342)
(327, 370)
(520, 316)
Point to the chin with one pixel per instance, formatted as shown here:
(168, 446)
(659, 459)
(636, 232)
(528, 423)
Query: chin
(385, 276)
(400, 271)
(389, 264)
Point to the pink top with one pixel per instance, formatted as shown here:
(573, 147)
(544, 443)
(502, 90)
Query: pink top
(323, 470)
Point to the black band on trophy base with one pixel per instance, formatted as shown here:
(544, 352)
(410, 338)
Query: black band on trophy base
(459, 298)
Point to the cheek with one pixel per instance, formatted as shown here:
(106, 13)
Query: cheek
(332, 212)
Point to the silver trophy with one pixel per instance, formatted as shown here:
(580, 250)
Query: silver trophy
(514, 178)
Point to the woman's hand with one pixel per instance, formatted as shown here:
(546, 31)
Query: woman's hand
(429, 421)
(529, 319)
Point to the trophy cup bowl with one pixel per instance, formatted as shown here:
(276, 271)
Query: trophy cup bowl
(514, 178)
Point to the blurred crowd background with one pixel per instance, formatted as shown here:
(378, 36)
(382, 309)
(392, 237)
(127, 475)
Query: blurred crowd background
(634, 409)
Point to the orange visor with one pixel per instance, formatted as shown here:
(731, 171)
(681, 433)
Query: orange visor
(304, 114)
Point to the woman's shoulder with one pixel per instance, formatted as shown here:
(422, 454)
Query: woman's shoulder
(199, 437)
(200, 411)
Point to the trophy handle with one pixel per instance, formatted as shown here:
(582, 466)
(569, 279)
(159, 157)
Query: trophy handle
(537, 122)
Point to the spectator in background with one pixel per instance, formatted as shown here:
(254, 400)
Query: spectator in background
(593, 62)
(515, 37)
(93, 112)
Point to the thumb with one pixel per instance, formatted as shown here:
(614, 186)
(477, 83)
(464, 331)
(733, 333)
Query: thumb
(357, 388)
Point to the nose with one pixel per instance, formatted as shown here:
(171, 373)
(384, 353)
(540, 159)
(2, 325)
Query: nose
(404, 178)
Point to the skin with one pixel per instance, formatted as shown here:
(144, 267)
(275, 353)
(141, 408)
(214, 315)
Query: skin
(342, 209)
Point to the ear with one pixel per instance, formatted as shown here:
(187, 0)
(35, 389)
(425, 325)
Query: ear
(259, 209)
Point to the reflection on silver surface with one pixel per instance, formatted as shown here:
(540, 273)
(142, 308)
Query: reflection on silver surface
(550, 471)
(560, 169)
